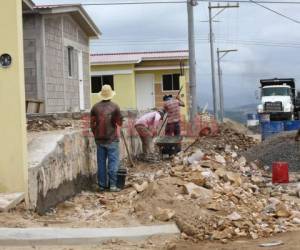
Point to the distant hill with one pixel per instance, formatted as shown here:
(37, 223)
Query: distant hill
(239, 113)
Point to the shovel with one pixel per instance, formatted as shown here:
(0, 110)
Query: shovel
(127, 150)
(203, 132)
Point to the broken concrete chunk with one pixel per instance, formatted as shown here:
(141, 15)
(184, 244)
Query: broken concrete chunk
(254, 235)
(195, 192)
(197, 178)
(234, 216)
(10, 200)
(257, 179)
(196, 157)
(282, 210)
(225, 234)
(220, 159)
(140, 188)
(164, 214)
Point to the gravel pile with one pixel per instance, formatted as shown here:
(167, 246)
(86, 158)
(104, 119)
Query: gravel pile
(281, 147)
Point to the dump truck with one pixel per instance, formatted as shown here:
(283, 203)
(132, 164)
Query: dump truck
(278, 99)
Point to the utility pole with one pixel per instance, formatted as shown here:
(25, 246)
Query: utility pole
(220, 55)
(212, 61)
(192, 58)
(211, 39)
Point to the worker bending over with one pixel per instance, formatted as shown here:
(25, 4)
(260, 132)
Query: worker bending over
(146, 126)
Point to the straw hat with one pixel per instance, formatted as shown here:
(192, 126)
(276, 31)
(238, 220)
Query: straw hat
(106, 92)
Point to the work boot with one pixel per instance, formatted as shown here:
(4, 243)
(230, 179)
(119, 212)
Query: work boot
(114, 189)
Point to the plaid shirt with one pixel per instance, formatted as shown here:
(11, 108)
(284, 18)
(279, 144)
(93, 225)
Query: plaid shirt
(172, 107)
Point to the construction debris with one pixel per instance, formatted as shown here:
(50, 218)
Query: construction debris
(218, 195)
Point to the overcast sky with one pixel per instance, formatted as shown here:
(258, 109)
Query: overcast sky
(268, 44)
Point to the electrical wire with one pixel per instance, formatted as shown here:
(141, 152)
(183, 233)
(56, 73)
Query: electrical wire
(183, 2)
(276, 12)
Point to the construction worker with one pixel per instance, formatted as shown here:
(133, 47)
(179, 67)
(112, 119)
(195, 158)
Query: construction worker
(105, 120)
(146, 126)
(172, 107)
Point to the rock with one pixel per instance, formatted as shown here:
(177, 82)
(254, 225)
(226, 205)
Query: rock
(132, 194)
(282, 211)
(220, 159)
(298, 190)
(242, 161)
(196, 157)
(196, 192)
(221, 172)
(164, 214)
(186, 228)
(295, 214)
(296, 220)
(170, 246)
(254, 235)
(257, 179)
(214, 206)
(234, 216)
(220, 235)
(234, 177)
(142, 187)
(197, 178)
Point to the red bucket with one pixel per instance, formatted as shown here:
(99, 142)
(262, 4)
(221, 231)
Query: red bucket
(280, 172)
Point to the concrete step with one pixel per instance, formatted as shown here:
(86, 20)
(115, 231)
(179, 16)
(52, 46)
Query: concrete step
(10, 200)
(80, 236)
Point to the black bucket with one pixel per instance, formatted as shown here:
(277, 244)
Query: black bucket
(121, 177)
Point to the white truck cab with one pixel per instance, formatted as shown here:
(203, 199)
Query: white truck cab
(277, 100)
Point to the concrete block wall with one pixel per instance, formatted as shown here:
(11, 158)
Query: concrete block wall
(46, 39)
(32, 29)
(54, 78)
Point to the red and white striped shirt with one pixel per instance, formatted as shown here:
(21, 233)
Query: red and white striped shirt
(172, 107)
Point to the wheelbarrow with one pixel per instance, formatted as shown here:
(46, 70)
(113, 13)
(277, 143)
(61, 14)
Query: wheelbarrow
(169, 145)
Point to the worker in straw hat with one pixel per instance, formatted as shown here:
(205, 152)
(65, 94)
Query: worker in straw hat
(105, 120)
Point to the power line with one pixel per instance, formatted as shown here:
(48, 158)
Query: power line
(276, 12)
(184, 2)
(134, 3)
(249, 2)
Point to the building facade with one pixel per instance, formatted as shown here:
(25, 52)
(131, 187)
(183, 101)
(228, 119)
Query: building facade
(56, 56)
(141, 79)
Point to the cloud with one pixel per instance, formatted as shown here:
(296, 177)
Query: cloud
(251, 29)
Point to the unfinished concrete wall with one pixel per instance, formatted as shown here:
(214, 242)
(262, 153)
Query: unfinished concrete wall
(32, 30)
(62, 32)
(75, 37)
(54, 78)
(60, 165)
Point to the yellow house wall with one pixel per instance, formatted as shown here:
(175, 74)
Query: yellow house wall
(124, 85)
(13, 158)
(159, 93)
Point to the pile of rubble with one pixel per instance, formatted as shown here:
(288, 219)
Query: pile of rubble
(216, 194)
(44, 124)
(227, 136)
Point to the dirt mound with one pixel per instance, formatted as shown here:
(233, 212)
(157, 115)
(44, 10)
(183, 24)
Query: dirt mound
(281, 147)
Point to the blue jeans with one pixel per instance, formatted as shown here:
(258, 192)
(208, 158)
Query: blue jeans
(108, 153)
